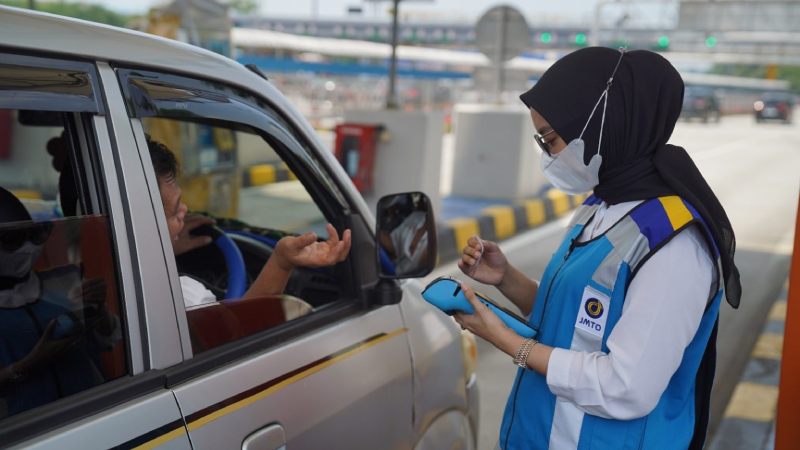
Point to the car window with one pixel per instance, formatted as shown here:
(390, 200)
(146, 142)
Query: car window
(60, 309)
(239, 173)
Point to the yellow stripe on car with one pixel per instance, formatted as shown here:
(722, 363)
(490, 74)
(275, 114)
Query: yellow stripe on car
(288, 382)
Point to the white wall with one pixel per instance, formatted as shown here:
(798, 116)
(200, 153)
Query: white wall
(495, 155)
(411, 159)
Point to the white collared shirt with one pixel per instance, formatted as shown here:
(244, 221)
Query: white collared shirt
(661, 315)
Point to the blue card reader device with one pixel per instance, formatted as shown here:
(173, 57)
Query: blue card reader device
(445, 293)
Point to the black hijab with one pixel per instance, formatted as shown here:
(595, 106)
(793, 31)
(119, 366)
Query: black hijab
(644, 104)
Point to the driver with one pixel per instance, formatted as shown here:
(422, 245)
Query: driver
(290, 252)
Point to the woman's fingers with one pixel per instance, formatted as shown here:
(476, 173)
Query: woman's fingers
(473, 299)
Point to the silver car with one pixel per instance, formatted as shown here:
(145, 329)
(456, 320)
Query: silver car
(97, 349)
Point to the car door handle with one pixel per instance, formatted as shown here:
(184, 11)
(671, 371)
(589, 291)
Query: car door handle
(270, 437)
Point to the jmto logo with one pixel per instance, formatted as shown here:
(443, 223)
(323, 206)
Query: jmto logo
(594, 309)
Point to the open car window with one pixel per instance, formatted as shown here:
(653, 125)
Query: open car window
(243, 166)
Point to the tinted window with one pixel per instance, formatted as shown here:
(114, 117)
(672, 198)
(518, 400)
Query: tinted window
(60, 328)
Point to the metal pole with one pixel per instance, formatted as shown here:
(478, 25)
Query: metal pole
(594, 37)
(500, 82)
(391, 101)
(31, 4)
(315, 9)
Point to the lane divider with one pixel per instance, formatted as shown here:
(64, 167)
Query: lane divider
(262, 174)
(749, 419)
(499, 222)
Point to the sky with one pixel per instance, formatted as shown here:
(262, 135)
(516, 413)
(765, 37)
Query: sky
(571, 10)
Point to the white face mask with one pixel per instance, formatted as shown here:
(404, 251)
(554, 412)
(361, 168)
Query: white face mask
(566, 170)
(18, 263)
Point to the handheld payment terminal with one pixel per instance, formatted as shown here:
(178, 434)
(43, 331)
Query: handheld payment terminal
(445, 293)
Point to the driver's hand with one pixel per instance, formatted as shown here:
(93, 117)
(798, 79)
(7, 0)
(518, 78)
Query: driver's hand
(305, 251)
(186, 242)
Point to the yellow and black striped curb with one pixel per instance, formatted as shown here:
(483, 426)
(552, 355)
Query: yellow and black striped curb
(750, 416)
(262, 174)
(499, 222)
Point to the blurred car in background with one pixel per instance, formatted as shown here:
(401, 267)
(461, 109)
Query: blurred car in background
(700, 103)
(775, 106)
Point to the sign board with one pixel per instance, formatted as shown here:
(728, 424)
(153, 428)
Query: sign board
(502, 33)
(733, 15)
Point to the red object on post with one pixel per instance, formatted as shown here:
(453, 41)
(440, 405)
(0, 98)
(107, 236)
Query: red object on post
(6, 124)
(355, 150)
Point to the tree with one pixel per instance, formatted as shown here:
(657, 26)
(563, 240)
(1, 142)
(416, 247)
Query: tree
(244, 6)
(92, 13)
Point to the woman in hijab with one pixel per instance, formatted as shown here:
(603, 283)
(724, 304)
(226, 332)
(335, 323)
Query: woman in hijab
(626, 311)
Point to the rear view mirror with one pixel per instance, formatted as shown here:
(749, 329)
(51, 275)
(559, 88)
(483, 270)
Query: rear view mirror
(406, 231)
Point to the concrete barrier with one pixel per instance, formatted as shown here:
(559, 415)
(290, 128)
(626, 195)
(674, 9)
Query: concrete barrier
(499, 222)
(262, 174)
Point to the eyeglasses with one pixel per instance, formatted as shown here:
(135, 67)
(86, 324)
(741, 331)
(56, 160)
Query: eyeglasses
(539, 138)
(14, 237)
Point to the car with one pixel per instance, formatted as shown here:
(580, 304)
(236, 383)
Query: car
(700, 103)
(775, 106)
(97, 347)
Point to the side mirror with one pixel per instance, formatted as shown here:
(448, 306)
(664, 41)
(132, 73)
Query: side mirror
(407, 238)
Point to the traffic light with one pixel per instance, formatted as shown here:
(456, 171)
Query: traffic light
(546, 38)
(580, 39)
(711, 41)
(663, 41)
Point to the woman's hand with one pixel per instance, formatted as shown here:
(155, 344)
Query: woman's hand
(305, 251)
(483, 322)
(46, 349)
(491, 269)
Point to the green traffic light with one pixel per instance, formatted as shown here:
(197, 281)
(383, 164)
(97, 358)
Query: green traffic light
(546, 38)
(580, 38)
(711, 41)
(663, 41)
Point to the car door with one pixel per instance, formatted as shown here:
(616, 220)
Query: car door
(318, 367)
(76, 369)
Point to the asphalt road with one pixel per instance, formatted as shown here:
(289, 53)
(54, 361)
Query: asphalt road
(755, 171)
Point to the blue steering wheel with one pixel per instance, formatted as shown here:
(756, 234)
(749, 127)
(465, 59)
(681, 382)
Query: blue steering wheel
(237, 275)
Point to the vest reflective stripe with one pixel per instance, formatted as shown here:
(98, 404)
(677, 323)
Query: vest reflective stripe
(606, 264)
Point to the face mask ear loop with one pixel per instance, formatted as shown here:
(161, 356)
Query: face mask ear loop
(622, 51)
(592, 114)
(602, 123)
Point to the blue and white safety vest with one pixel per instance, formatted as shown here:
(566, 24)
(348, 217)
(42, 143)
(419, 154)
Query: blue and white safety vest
(583, 289)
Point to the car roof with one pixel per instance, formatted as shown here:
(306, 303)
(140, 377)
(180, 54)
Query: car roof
(24, 29)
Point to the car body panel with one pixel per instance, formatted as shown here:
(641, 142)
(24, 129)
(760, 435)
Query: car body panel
(153, 420)
(436, 351)
(345, 386)
(387, 377)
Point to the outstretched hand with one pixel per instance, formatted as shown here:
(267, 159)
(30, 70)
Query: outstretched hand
(305, 251)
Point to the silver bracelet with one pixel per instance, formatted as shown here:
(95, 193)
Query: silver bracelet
(522, 354)
(528, 352)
